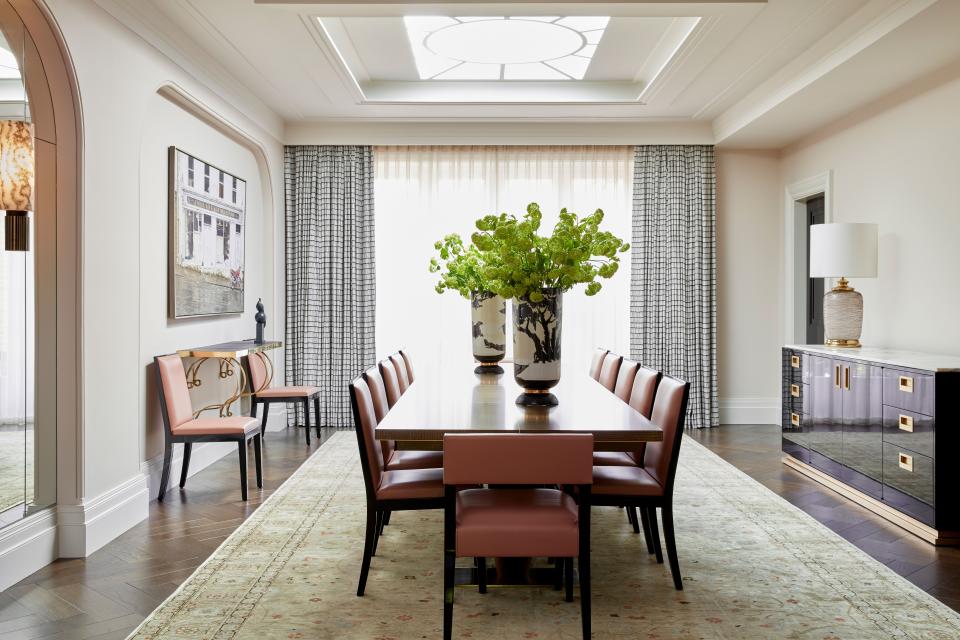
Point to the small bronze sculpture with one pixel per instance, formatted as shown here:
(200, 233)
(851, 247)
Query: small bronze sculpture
(261, 319)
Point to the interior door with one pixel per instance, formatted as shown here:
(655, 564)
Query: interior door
(863, 425)
(826, 409)
(815, 215)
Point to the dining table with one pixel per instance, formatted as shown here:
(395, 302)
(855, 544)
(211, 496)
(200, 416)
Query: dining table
(457, 400)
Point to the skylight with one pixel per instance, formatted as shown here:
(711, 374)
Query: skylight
(504, 48)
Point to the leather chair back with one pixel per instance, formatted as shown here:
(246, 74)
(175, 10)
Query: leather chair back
(644, 390)
(409, 364)
(401, 368)
(378, 392)
(669, 413)
(609, 370)
(597, 362)
(624, 385)
(524, 458)
(174, 395)
(391, 381)
(365, 422)
(256, 364)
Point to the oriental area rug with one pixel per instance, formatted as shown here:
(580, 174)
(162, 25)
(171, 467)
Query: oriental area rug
(753, 565)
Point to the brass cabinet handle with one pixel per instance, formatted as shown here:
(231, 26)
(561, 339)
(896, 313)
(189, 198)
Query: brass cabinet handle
(836, 376)
(795, 362)
(846, 378)
(906, 423)
(906, 462)
(795, 419)
(795, 390)
(906, 384)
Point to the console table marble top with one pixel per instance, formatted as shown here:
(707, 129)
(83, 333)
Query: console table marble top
(924, 361)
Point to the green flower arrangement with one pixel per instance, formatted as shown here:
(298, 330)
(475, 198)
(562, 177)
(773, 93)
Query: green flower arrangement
(510, 258)
(518, 262)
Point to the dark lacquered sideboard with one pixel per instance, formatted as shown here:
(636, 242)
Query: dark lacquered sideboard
(872, 425)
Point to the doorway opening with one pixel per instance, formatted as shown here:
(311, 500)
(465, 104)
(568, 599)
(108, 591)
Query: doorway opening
(814, 333)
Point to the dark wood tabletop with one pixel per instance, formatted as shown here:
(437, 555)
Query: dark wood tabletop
(463, 402)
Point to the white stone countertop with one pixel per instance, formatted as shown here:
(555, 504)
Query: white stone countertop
(893, 357)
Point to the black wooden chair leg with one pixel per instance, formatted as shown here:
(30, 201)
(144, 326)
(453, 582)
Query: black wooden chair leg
(449, 562)
(655, 533)
(558, 574)
(386, 518)
(242, 449)
(583, 564)
(568, 578)
(257, 440)
(185, 467)
(165, 475)
(645, 521)
(263, 424)
(633, 519)
(378, 531)
(667, 514)
(367, 548)
(481, 574)
(306, 419)
(316, 414)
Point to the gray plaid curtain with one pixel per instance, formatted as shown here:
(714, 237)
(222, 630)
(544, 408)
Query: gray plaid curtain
(673, 284)
(331, 287)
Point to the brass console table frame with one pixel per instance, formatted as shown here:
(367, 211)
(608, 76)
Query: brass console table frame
(229, 354)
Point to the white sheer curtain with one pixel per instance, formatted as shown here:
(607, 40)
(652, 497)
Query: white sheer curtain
(16, 336)
(423, 193)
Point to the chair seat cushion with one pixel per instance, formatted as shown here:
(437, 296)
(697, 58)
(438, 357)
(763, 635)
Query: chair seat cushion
(625, 481)
(613, 459)
(409, 484)
(234, 425)
(414, 460)
(516, 523)
(288, 392)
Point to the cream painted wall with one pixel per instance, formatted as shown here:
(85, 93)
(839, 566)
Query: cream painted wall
(749, 306)
(127, 129)
(897, 165)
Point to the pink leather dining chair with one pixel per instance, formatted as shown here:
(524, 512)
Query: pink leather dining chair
(180, 427)
(609, 370)
(651, 486)
(391, 381)
(517, 522)
(401, 367)
(642, 391)
(597, 362)
(409, 364)
(263, 393)
(624, 384)
(387, 490)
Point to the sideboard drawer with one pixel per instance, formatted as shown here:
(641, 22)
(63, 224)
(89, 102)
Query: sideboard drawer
(908, 390)
(796, 392)
(908, 429)
(909, 472)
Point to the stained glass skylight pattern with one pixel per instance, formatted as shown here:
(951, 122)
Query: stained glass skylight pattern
(504, 48)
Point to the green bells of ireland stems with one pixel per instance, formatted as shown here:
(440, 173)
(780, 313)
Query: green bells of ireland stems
(508, 258)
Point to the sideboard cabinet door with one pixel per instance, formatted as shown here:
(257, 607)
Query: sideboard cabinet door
(825, 403)
(862, 390)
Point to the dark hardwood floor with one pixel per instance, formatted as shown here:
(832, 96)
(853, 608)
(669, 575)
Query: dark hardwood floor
(108, 594)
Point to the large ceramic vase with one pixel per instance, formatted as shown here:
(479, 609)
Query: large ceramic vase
(488, 315)
(536, 347)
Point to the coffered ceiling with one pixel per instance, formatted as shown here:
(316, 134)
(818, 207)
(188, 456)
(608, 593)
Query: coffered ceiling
(759, 73)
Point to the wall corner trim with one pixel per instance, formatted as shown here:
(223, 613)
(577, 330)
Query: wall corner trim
(85, 527)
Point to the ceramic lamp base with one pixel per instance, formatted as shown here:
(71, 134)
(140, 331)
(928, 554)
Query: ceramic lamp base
(842, 316)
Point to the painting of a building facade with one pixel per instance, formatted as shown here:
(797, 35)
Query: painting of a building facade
(207, 232)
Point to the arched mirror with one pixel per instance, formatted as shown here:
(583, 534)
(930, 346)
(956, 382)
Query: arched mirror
(27, 447)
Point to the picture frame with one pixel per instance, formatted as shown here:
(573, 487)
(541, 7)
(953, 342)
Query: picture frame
(206, 238)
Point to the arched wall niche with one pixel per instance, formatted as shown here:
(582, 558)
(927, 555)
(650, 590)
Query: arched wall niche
(55, 110)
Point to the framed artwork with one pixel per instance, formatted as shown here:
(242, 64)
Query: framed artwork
(207, 235)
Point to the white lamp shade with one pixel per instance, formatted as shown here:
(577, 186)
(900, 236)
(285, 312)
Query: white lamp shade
(846, 250)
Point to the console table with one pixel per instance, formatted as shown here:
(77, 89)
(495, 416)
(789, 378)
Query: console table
(229, 355)
(871, 424)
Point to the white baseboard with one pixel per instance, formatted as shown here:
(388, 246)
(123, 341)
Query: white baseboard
(750, 410)
(277, 420)
(27, 545)
(85, 527)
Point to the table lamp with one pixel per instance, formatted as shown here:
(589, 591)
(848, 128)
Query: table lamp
(16, 182)
(843, 250)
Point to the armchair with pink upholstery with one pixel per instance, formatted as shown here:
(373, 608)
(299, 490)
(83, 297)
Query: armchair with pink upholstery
(517, 522)
(180, 426)
(265, 394)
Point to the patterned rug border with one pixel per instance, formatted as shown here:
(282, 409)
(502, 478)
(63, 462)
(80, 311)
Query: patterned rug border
(344, 464)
